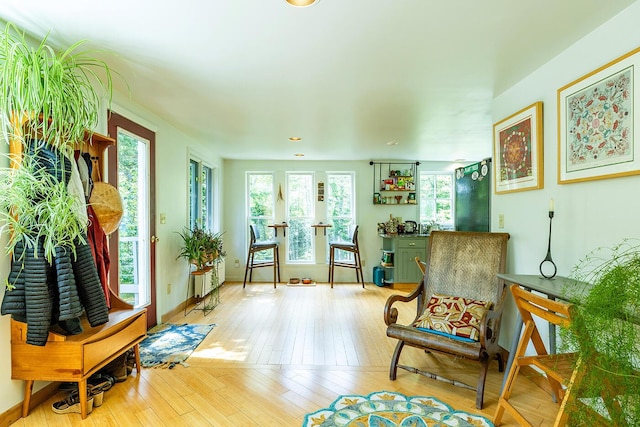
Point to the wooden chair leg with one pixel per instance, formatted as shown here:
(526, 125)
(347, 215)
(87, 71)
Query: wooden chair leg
(275, 266)
(247, 268)
(497, 417)
(253, 259)
(503, 400)
(484, 368)
(359, 268)
(569, 398)
(331, 265)
(393, 368)
(329, 269)
(500, 358)
(278, 262)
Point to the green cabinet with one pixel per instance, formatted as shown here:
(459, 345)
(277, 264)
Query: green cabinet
(405, 248)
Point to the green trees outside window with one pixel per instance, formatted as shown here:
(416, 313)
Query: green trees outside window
(436, 198)
(300, 217)
(261, 203)
(341, 209)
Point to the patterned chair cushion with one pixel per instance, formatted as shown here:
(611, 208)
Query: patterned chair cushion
(453, 316)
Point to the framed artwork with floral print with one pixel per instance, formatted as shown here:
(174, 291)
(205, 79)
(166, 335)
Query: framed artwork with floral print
(517, 151)
(596, 122)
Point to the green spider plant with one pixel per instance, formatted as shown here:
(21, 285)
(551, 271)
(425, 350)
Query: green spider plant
(38, 210)
(40, 82)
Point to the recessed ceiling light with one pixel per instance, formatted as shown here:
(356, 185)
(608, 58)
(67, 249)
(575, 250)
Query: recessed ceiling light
(295, 139)
(392, 143)
(299, 155)
(302, 3)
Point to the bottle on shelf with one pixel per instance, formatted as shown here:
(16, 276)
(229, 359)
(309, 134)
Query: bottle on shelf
(387, 259)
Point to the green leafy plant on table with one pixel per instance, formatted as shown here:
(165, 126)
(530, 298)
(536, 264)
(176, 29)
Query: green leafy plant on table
(605, 332)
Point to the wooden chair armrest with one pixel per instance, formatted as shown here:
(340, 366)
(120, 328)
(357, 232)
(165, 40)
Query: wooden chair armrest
(490, 324)
(391, 313)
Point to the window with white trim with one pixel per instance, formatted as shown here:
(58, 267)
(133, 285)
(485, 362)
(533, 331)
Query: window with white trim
(300, 213)
(261, 207)
(436, 198)
(341, 212)
(201, 194)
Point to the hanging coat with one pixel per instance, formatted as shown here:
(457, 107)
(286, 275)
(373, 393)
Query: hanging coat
(45, 293)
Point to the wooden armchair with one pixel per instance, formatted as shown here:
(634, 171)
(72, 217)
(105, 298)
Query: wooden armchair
(460, 275)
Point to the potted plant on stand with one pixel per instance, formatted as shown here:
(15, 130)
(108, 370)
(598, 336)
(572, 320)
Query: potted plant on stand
(213, 247)
(192, 248)
(204, 250)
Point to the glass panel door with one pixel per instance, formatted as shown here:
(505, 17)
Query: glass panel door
(132, 247)
(134, 239)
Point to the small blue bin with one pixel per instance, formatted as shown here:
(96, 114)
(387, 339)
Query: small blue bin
(378, 276)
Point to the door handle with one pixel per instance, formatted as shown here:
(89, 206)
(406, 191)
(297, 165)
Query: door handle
(154, 239)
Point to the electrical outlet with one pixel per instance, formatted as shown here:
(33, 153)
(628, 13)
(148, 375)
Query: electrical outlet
(236, 263)
(169, 288)
(363, 263)
(501, 221)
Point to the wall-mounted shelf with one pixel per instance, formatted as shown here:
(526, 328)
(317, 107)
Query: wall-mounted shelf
(322, 226)
(275, 227)
(394, 183)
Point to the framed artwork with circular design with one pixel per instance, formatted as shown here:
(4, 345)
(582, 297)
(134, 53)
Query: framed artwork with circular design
(517, 151)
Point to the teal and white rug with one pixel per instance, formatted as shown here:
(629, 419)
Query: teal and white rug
(390, 409)
(167, 344)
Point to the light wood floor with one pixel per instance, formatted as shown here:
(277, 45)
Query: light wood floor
(276, 355)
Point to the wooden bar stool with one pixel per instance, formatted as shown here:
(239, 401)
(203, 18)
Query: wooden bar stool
(351, 247)
(256, 246)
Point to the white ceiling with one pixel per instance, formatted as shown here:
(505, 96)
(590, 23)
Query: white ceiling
(347, 76)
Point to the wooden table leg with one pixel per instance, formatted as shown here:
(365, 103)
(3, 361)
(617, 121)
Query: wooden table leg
(28, 388)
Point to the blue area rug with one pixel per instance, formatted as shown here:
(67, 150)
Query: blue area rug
(167, 345)
(390, 409)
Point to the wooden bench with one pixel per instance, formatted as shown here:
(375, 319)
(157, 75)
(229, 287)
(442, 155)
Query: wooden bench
(74, 358)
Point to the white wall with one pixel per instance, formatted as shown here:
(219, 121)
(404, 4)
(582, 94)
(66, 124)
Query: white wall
(588, 215)
(10, 391)
(367, 216)
(172, 174)
(172, 148)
